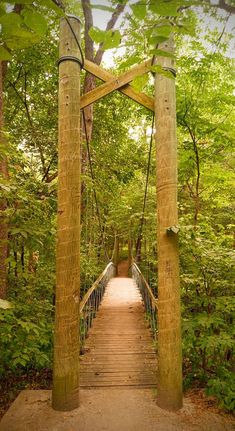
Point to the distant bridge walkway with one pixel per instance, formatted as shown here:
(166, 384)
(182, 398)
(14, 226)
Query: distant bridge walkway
(119, 350)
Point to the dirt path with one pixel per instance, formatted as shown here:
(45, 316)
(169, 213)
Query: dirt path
(123, 268)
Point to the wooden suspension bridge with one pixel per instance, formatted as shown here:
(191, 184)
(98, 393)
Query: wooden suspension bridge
(119, 351)
(118, 331)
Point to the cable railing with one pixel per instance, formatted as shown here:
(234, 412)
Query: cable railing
(90, 303)
(149, 300)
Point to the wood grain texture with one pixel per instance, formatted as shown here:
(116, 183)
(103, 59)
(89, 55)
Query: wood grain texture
(115, 83)
(169, 319)
(141, 98)
(119, 349)
(66, 340)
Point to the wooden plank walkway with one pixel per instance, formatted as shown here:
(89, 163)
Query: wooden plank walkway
(119, 349)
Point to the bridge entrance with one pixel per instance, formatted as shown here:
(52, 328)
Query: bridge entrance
(68, 330)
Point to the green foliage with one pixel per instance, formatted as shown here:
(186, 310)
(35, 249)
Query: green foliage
(139, 9)
(35, 21)
(208, 272)
(119, 153)
(26, 26)
(26, 329)
(4, 304)
(109, 39)
(223, 387)
(165, 7)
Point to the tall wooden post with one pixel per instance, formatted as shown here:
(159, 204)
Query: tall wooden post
(66, 340)
(169, 318)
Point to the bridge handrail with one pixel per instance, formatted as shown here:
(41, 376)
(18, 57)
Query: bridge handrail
(151, 294)
(94, 286)
(149, 300)
(90, 302)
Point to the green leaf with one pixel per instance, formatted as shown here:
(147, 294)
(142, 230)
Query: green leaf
(51, 5)
(155, 40)
(21, 1)
(97, 35)
(4, 55)
(163, 30)
(139, 10)
(35, 21)
(133, 59)
(162, 53)
(3, 186)
(159, 69)
(4, 304)
(22, 39)
(10, 22)
(164, 7)
(139, 83)
(112, 39)
(2, 11)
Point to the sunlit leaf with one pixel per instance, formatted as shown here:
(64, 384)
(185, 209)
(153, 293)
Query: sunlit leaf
(112, 40)
(162, 53)
(159, 69)
(163, 30)
(4, 54)
(4, 304)
(51, 5)
(35, 21)
(164, 7)
(139, 9)
(97, 35)
(10, 22)
(140, 82)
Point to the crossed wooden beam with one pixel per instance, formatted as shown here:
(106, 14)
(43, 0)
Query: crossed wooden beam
(120, 83)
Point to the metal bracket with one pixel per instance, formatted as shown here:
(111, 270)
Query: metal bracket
(170, 69)
(69, 58)
(173, 230)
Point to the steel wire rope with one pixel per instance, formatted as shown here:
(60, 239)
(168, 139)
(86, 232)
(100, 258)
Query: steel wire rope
(93, 188)
(88, 148)
(146, 189)
(77, 41)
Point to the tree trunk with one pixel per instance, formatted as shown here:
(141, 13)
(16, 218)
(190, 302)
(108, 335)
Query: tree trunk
(139, 250)
(169, 320)
(3, 203)
(66, 342)
(115, 256)
(130, 258)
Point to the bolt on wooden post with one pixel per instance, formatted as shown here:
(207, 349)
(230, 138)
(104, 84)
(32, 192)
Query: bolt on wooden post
(65, 394)
(169, 390)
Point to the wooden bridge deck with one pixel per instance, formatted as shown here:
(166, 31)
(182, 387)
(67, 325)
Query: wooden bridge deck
(119, 349)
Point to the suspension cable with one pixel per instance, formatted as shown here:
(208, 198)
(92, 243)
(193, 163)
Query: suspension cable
(146, 189)
(77, 41)
(93, 183)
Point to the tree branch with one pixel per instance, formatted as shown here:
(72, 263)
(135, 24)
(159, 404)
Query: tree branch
(89, 44)
(223, 5)
(110, 25)
(59, 3)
